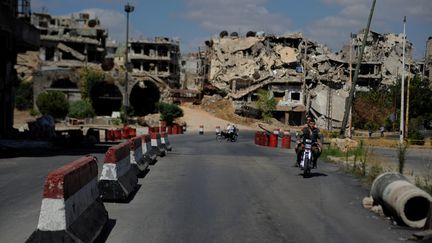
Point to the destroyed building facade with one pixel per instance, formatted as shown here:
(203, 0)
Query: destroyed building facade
(291, 67)
(425, 65)
(382, 59)
(70, 41)
(302, 75)
(158, 57)
(17, 35)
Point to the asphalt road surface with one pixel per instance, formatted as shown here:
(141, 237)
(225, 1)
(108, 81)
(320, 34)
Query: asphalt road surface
(418, 161)
(207, 191)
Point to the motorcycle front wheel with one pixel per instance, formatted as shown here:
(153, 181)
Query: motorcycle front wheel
(307, 167)
(219, 137)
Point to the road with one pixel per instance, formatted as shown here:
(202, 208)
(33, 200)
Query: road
(418, 161)
(206, 191)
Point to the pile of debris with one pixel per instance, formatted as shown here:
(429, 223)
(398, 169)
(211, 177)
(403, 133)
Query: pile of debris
(385, 51)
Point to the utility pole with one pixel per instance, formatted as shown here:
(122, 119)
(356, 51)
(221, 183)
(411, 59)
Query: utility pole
(350, 79)
(128, 9)
(349, 101)
(401, 128)
(408, 101)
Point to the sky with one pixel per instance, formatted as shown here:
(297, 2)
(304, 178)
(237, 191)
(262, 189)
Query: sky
(193, 21)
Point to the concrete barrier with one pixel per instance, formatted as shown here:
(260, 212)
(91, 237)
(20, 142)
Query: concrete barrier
(71, 210)
(407, 203)
(118, 180)
(138, 163)
(157, 144)
(149, 154)
(165, 141)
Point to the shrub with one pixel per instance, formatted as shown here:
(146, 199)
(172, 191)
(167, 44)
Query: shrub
(81, 109)
(88, 78)
(24, 96)
(266, 104)
(416, 138)
(169, 112)
(53, 103)
(34, 112)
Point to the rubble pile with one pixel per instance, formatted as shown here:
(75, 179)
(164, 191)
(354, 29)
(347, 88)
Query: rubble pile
(252, 59)
(385, 51)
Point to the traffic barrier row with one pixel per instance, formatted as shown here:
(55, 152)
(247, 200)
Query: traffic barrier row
(128, 132)
(72, 206)
(119, 134)
(172, 130)
(271, 139)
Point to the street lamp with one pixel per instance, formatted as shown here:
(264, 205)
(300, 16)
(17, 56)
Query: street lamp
(128, 9)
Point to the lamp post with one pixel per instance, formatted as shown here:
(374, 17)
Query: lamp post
(402, 126)
(128, 9)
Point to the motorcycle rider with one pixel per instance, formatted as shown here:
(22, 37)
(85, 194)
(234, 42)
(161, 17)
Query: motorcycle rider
(231, 129)
(310, 132)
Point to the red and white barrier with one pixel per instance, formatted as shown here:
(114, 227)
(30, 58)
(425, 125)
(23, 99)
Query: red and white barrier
(165, 141)
(157, 144)
(71, 210)
(148, 153)
(118, 180)
(137, 160)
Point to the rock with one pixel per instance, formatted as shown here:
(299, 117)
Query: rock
(378, 210)
(368, 202)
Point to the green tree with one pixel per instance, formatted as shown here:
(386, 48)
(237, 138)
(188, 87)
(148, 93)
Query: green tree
(420, 101)
(372, 108)
(53, 103)
(88, 78)
(24, 96)
(81, 109)
(169, 112)
(266, 104)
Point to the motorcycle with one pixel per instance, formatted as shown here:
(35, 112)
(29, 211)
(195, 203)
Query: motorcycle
(307, 158)
(226, 136)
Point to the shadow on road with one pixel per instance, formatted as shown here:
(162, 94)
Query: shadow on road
(106, 231)
(55, 151)
(314, 174)
(127, 200)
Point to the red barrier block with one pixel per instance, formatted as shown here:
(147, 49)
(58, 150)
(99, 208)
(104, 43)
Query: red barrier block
(157, 144)
(165, 141)
(117, 134)
(71, 210)
(273, 141)
(132, 132)
(118, 180)
(148, 154)
(139, 164)
(286, 140)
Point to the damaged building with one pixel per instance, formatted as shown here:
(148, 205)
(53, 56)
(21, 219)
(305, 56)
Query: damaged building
(291, 67)
(155, 71)
(382, 59)
(17, 35)
(302, 75)
(425, 65)
(70, 41)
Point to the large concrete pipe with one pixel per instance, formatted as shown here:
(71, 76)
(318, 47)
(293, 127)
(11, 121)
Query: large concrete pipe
(406, 202)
